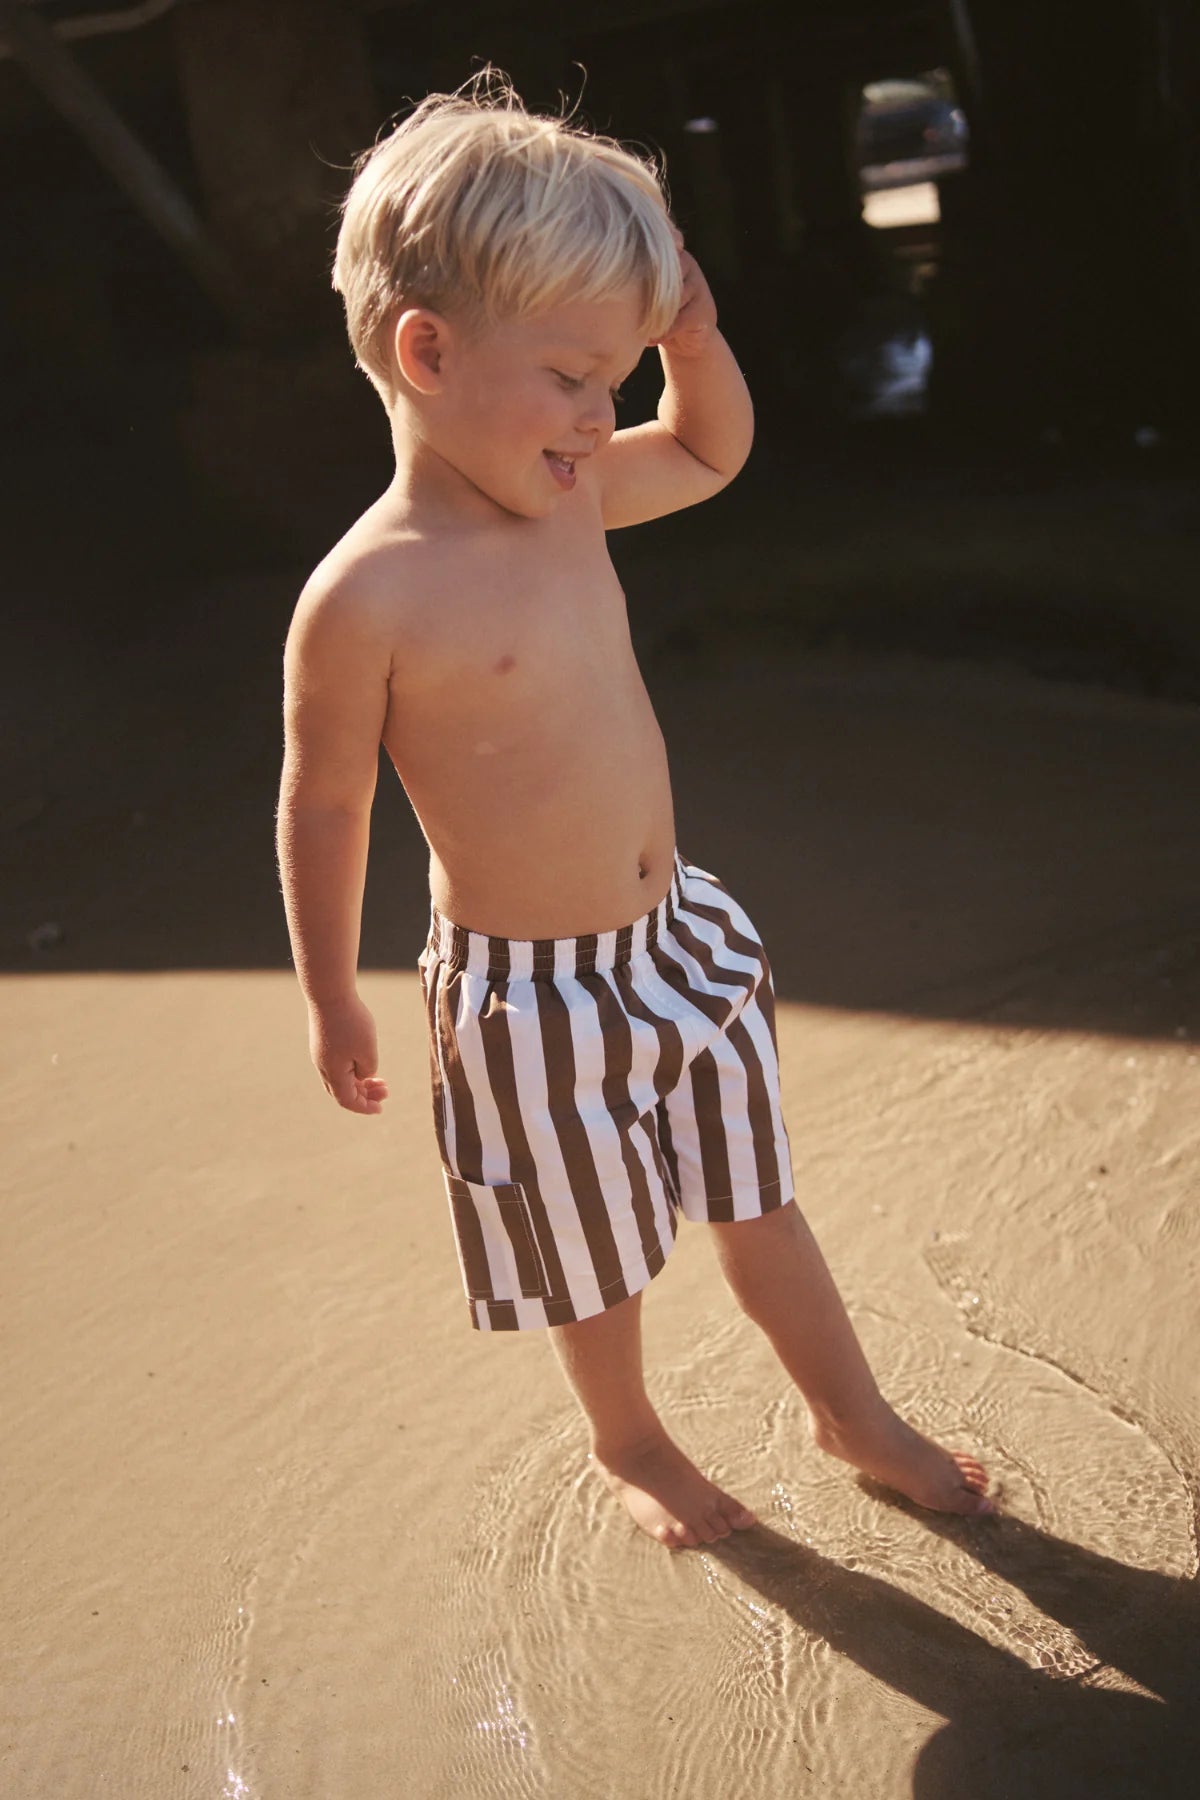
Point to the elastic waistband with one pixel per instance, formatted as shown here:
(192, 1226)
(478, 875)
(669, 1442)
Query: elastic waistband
(548, 959)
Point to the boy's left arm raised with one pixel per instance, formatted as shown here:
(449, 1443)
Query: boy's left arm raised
(705, 424)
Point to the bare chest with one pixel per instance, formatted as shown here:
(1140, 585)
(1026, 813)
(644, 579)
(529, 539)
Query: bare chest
(514, 641)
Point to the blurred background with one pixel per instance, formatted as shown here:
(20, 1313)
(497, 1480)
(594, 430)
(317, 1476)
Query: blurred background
(955, 245)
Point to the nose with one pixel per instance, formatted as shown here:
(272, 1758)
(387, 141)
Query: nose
(599, 414)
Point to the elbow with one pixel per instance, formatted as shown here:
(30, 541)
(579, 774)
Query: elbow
(740, 445)
(357, 811)
(742, 459)
(747, 440)
(732, 466)
(305, 791)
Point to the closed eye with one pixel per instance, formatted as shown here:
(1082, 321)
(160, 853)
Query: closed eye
(574, 382)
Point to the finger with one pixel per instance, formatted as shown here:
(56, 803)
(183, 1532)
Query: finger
(344, 1088)
(362, 1104)
(670, 333)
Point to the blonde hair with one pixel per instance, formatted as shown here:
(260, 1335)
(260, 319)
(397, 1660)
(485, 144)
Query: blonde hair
(484, 211)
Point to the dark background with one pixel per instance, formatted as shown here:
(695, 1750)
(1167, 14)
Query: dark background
(1058, 293)
(186, 433)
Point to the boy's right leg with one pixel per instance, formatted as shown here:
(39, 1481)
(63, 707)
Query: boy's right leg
(662, 1489)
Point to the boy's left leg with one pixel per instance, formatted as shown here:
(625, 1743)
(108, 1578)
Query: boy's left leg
(780, 1279)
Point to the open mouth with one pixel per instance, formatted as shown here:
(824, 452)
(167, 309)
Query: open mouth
(561, 467)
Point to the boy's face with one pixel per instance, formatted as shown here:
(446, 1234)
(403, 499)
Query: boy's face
(525, 402)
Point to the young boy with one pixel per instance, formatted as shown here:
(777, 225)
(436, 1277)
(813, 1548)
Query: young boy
(601, 1013)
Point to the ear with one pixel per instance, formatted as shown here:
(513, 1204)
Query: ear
(420, 342)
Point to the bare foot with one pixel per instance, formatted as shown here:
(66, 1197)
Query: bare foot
(893, 1453)
(665, 1493)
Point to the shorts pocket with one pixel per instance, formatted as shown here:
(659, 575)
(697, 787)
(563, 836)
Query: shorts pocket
(497, 1249)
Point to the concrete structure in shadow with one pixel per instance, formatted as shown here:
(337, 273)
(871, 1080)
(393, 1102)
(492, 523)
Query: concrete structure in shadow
(980, 218)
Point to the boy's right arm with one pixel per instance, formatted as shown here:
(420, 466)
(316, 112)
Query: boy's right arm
(336, 667)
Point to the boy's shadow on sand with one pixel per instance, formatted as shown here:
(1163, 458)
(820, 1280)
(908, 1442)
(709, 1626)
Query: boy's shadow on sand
(1012, 1731)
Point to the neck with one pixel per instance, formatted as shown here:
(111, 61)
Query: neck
(429, 489)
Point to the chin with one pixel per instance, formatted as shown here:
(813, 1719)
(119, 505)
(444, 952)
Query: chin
(529, 509)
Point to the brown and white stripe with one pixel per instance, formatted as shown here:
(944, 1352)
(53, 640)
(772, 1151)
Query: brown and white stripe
(586, 1089)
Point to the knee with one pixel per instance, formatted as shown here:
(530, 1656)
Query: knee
(751, 1252)
(761, 1235)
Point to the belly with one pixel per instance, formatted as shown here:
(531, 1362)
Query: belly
(545, 821)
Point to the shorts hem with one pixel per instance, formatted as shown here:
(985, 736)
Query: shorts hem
(742, 1203)
(502, 1315)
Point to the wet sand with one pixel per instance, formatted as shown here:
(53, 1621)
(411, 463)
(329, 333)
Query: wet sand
(281, 1524)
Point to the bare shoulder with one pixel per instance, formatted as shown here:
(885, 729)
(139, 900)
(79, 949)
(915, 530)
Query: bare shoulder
(338, 659)
(367, 587)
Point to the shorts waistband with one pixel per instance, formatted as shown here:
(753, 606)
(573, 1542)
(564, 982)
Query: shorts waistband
(549, 959)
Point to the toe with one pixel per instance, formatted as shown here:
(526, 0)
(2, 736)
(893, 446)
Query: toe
(686, 1535)
(666, 1536)
(718, 1524)
(737, 1515)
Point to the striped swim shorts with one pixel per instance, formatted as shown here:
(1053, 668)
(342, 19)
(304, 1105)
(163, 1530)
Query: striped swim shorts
(586, 1090)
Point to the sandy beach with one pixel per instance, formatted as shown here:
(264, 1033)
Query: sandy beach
(280, 1524)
